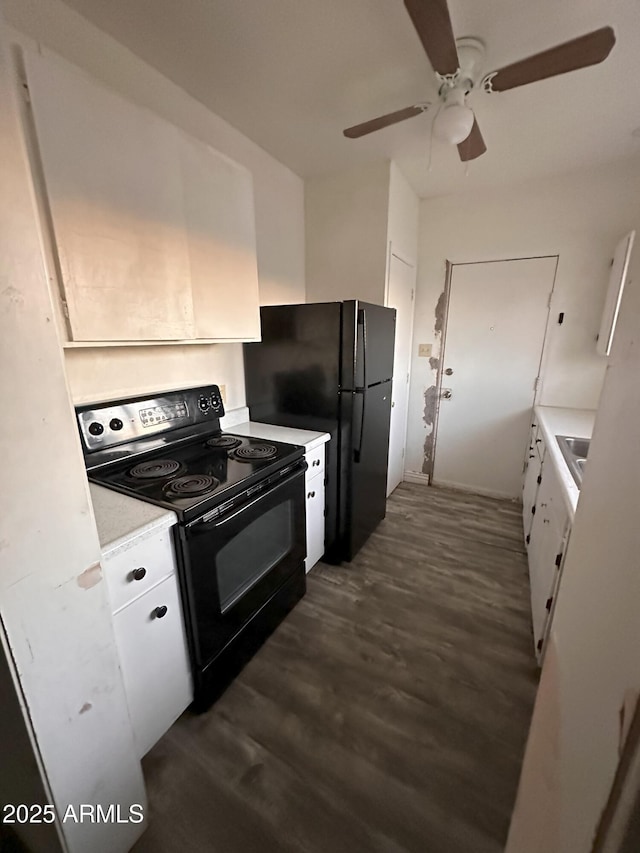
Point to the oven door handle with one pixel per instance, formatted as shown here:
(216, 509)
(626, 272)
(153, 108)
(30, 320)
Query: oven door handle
(214, 524)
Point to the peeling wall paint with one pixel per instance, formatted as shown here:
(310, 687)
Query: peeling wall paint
(90, 577)
(441, 307)
(429, 417)
(431, 392)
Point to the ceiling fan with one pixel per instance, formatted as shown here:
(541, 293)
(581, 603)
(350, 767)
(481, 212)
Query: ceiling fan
(457, 65)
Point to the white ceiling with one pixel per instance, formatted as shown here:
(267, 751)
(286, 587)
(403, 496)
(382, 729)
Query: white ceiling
(291, 74)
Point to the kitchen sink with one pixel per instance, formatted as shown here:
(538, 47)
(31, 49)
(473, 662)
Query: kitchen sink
(575, 452)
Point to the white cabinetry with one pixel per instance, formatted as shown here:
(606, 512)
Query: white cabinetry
(547, 543)
(532, 477)
(314, 489)
(617, 281)
(154, 232)
(147, 615)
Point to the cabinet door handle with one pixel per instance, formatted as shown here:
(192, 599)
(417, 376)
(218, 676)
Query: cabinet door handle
(311, 494)
(161, 611)
(316, 462)
(139, 573)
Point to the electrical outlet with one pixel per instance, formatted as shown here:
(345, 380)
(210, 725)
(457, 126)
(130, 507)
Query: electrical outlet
(223, 393)
(424, 350)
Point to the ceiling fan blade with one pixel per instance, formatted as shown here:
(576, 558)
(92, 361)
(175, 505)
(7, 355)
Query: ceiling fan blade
(384, 121)
(433, 25)
(473, 146)
(581, 52)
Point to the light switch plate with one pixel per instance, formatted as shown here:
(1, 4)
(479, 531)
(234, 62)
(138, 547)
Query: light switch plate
(223, 393)
(424, 350)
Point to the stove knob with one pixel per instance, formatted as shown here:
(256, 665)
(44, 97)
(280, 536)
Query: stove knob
(96, 428)
(203, 404)
(161, 611)
(116, 423)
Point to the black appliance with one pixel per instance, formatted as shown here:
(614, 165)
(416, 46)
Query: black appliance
(240, 538)
(328, 366)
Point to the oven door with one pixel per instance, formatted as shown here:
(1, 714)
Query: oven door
(234, 563)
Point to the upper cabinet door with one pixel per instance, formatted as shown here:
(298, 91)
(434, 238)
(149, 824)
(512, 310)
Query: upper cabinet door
(617, 280)
(220, 222)
(154, 230)
(115, 195)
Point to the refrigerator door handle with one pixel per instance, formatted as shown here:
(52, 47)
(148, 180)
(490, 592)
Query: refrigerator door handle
(362, 321)
(357, 451)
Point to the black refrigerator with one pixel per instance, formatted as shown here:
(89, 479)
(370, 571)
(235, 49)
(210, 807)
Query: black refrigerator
(328, 367)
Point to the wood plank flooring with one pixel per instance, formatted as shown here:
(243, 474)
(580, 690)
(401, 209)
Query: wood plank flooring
(388, 712)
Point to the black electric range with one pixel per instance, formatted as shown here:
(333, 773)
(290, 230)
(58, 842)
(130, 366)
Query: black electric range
(240, 539)
(200, 477)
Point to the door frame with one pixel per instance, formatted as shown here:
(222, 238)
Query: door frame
(414, 266)
(537, 389)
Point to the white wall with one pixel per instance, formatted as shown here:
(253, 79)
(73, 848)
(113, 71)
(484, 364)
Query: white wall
(53, 602)
(579, 217)
(279, 198)
(346, 216)
(591, 674)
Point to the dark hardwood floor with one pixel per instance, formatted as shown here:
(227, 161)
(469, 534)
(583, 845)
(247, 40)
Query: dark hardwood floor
(388, 712)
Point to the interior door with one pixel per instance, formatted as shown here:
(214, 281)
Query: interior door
(494, 338)
(402, 277)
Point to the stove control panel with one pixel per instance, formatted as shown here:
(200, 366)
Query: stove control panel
(106, 425)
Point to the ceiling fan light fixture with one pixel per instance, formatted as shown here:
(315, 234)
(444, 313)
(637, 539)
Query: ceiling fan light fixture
(453, 123)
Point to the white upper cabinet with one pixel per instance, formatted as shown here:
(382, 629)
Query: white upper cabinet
(617, 280)
(154, 231)
(220, 223)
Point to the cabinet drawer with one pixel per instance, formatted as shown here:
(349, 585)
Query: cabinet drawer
(154, 662)
(315, 461)
(136, 569)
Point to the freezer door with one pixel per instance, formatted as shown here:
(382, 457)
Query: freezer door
(364, 486)
(376, 338)
(294, 370)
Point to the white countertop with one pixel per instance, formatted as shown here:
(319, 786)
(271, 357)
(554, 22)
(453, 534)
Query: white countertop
(120, 519)
(556, 421)
(305, 437)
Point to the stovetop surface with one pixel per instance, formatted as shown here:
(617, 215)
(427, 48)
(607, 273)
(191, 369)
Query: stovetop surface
(194, 477)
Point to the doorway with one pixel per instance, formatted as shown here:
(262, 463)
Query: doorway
(400, 295)
(496, 325)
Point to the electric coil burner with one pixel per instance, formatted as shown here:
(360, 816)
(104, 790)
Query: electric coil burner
(155, 470)
(224, 442)
(255, 453)
(192, 485)
(240, 503)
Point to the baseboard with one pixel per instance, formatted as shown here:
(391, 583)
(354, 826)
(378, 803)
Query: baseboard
(415, 477)
(474, 490)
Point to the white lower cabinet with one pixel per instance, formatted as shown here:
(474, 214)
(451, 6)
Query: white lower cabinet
(532, 477)
(315, 520)
(547, 544)
(150, 636)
